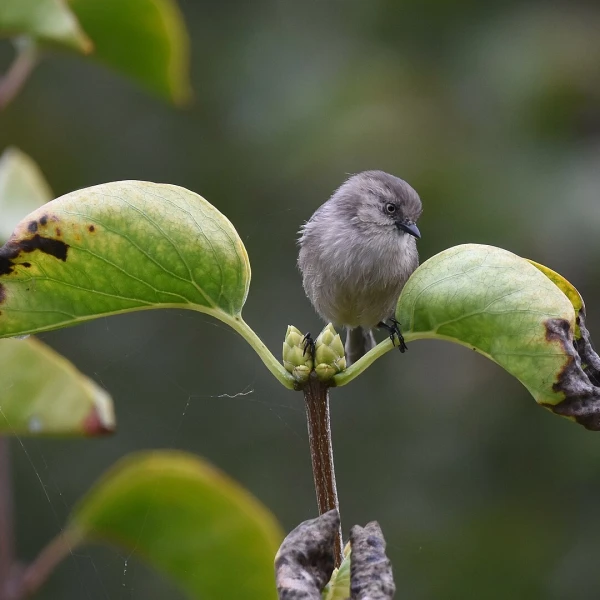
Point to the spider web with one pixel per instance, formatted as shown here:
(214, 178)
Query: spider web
(109, 572)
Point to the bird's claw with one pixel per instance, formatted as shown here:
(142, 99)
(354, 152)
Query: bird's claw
(309, 345)
(394, 331)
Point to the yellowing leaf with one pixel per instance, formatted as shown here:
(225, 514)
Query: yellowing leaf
(509, 310)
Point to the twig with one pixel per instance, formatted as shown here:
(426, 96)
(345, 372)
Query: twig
(35, 574)
(18, 72)
(7, 547)
(316, 397)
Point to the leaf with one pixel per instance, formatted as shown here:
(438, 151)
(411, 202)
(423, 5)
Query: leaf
(47, 20)
(120, 247)
(371, 576)
(42, 393)
(22, 189)
(338, 587)
(566, 287)
(305, 561)
(502, 306)
(186, 519)
(144, 39)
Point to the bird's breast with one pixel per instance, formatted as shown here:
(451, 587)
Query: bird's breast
(360, 283)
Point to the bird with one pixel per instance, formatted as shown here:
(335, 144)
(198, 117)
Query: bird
(356, 253)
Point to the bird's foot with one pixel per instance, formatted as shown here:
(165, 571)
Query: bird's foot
(394, 331)
(309, 345)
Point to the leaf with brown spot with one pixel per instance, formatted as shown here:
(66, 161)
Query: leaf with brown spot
(520, 315)
(42, 393)
(152, 246)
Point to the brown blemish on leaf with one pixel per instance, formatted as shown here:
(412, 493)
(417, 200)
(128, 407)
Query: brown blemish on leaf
(91, 229)
(6, 265)
(579, 376)
(32, 227)
(94, 426)
(26, 265)
(2, 293)
(589, 359)
(13, 249)
(58, 232)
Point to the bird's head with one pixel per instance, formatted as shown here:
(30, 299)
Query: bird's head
(378, 202)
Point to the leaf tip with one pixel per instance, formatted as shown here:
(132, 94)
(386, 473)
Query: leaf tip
(99, 421)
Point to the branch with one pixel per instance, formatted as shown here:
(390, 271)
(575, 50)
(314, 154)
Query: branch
(316, 397)
(35, 574)
(25, 60)
(6, 513)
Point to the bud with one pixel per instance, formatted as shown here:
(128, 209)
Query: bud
(329, 354)
(296, 360)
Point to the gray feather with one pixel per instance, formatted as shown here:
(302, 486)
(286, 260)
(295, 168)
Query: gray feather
(354, 258)
(358, 342)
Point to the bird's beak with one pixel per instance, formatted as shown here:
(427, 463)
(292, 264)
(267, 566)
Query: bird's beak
(410, 228)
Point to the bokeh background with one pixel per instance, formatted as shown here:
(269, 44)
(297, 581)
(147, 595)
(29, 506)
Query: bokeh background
(491, 110)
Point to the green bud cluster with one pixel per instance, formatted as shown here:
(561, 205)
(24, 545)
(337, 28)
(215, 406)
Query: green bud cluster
(329, 354)
(296, 360)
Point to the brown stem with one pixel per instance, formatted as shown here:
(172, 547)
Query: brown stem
(35, 574)
(316, 397)
(6, 514)
(18, 73)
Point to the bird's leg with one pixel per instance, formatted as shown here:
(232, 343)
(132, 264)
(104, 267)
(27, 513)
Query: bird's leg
(309, 345)
(394, 331)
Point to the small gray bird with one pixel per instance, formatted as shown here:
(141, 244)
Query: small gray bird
(356, 253)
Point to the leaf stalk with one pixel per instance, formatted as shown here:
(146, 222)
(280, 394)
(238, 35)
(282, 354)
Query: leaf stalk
(355, 369)
(276, 368)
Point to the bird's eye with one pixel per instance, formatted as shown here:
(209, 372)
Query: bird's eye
(390, 208)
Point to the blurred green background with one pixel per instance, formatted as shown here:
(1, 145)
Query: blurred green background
(492, 112)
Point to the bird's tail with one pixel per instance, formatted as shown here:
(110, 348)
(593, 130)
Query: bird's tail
(358, 342)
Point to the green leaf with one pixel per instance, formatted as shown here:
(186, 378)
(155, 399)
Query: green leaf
(41, 393)
(47, 20)
(22, 189)
(120, 247)
(338, 587)
(522, 315)
(186, 519)
(498, 304)
(144, 39)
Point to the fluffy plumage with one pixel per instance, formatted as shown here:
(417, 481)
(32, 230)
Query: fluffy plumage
(357, 251)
